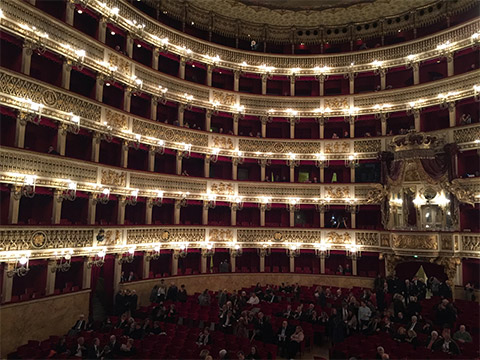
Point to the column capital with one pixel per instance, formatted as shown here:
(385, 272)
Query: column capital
(236, 74)
(265, 119)
(321, 77)
(154, 99)
(181, 107)
(183, 61)
(156, 51)
(236, 117)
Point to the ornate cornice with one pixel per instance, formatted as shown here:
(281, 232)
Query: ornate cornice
(392, 56)
(60, 104)
(234, 19)
(52, 172)
(43, 241)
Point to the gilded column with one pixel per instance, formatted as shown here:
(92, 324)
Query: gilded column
(102, 30)
(96, 139)
(61, 138)
(292, 85)
(70, 12)
(127, 99)
(57, 206)
(155, 58)
(66, 73)
(209, 75)
(180, 114)
(92, 208)
(86, 275)
(7, 284)
(100, 82)
(124, 154)
(27, 52)
(416, 73)
(117, 273)
(175, 256)
(205, 213)
(51, 275)
(129, 45)
(208, 119)
(236, 80)
(153, 108)
(181, 68)
(121, 210)
(20, 129)
(14, 204)
(264, 84)
(264, 120)
(151, 158)
(236, 117)
(148, 211)
(176, 212)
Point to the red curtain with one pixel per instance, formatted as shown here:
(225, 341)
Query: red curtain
(471, 272)
(407, 270)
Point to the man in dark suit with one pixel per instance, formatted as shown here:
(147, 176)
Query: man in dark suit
(79, 350)
(93, 351)
(114, 345)
(414, 325)
(283, 337)
(80, 325)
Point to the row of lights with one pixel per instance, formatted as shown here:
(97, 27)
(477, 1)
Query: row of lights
(164, 43)
(352, 111)
(138, 83)
(28, 184)
(62, 261)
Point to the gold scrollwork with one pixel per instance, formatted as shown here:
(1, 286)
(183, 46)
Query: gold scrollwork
(337, 147)
(39, 239)
(115, 178)
(222, 188)
(471, 243)
(421, 242)
(337, 192)
(223, 98)
(336, 103)
(221, 235)
(337, 238)
(222, 142)
(116, 120)
(277, 236)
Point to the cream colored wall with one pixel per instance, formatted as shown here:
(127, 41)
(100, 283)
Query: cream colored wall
(198, 283)
(38, 319)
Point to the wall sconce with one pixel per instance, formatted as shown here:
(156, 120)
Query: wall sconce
(265, 161)
(350, 114)
(382, 111)
(292, 161)
(128, 256)
(110, 71)
(107, 134)
(186, 151)
(323, 206)
(132, 199)
(441, 200)
(239, 109)
(236, 250)
(266, 249)
(214, 155)
(211, 202)
(104, 196)
(476, 92)
(353, 251)
(70, 193)
(32, 111)
(37, 38)
(153, 254)
(293, 205)
(237, 158)
(20, 267)
(322, 250)
(321, 161)
(137, 86)
(160, 147)
(63, 261)
(162, 92)
(419, 201)
(208, 250)
(189, 99)
(135, 144)
(28, 187)
(265, 204)
(236, 203)
(158, 200)
(414, 107)
(378, 69)
(293, 250)
(292, 116)
(447, 102)
(74, 126)
(182, 250)
(352, 207)
(98, 260)
(183, 200)
(352, 161)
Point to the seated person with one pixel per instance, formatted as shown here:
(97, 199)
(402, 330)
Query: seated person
(204, 337)
(462, 335)
(432, 339)
(128, 349)
(446, 343)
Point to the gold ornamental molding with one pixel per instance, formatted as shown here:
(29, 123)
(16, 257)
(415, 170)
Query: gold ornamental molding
(114, 178)
(417, 242)
(233, 58)
(101, 118)
(178, 43)
(38, 242)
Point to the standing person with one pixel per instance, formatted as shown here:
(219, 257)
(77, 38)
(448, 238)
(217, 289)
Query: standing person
(162, 291)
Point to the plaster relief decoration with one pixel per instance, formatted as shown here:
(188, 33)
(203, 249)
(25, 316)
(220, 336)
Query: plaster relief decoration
(123, 66)
(159, 235)
(220, 235)
(222, 188)
(337, 192)
(222, 142)
(336, 103)
(419, 242)
(367, 146)
(117, 120)
(22, 88)
(338, 238)
(114, 178)
(337, 147)
(385, 240)
(446, 241)
(223, 98)
(31, 239)
(366, 239)
(112, 237)
(471, 242)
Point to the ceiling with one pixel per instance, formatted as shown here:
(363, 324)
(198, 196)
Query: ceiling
(297, 5)
(302, 12)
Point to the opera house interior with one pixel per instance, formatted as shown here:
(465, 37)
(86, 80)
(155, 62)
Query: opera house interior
(239, 179)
